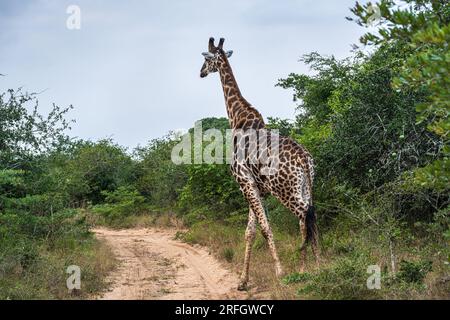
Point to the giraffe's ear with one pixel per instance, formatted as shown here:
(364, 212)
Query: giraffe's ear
(229, 53)
(208, 55)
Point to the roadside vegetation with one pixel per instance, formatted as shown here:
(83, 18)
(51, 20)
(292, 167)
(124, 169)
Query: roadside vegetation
(376, 124)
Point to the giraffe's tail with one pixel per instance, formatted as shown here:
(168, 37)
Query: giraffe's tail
(311, 226)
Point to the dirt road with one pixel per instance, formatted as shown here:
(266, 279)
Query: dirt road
(155, 266)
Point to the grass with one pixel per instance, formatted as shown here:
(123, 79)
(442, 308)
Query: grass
(347, 251)
(145, 219)
(35, 252)
(346, 255)
(227, 254)
(46, 277)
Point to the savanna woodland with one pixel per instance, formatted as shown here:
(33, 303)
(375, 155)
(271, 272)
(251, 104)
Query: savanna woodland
(376, 124)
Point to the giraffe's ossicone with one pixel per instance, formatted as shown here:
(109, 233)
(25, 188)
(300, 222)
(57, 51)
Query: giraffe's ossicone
(290, 182)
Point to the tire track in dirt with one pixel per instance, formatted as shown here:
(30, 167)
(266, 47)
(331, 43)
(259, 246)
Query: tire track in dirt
(155, 266)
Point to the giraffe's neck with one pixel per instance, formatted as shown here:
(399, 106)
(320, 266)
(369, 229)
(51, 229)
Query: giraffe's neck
(240, 113)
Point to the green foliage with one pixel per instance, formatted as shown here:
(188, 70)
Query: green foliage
(296, 278)
(10, 178)
(284, 126)
(423, 27)
(40, 235)
(360, 131)
(434, 175)
(441, 221)
(158, 178)
(23, 134)
(211, 186)
(414, 272)
(227, 253)
(97, 167)
(36, 250)
(120, 203)
(345, 279)
(11, 184)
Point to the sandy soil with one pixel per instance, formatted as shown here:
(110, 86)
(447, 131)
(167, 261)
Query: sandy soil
(155, 266)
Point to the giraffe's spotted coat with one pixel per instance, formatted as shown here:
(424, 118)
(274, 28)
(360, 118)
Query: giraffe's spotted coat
(291, 184)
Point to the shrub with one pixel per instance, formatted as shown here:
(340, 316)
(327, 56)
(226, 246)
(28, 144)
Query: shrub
(120, 203)
(296, 278)
(346, 279)
(414, 272)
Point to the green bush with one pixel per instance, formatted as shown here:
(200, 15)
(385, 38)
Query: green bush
(195, 215)
(296, 278)
(345, 278)
(121, 203)
(211, 186)
(96, 168)
(414, 272)
(36, 250)
(158, 179)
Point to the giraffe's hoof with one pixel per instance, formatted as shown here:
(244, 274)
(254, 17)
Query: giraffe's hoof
(242, 286)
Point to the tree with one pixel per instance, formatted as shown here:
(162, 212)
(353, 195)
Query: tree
(97, 167)
(24, 134)
(211, 185)
(361, 132)
(158, 178)
(423, 27)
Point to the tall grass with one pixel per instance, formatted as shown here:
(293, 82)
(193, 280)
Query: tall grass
(35, 254)
(347, 252)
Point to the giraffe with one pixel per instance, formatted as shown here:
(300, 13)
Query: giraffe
(291, 183)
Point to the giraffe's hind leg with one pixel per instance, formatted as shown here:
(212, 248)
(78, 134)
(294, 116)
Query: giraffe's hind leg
(252, 194)
(304, 245)
(250, 234)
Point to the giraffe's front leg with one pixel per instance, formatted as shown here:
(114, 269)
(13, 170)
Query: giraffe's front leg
(250, 233)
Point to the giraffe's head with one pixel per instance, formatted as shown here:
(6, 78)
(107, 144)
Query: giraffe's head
(213, 57)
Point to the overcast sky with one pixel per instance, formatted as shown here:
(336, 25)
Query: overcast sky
(132, 70)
